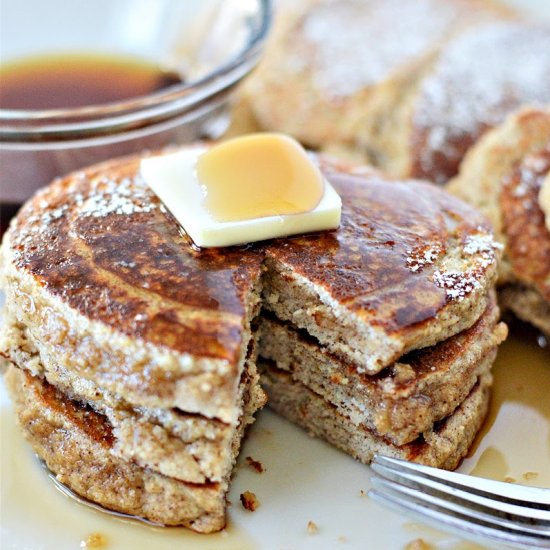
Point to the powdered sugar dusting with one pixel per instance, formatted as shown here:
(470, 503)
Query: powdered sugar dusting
(483, 247)
(456, 283)
(480, 252)
(422, 256)
(527, 183)
(480, 77)
(125, 197)
(54, 208)
(356, 43)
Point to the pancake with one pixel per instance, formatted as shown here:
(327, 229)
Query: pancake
(75, 442)
(477, 80)
(405, 399)
(407, 268)
(528, 305)
(327, 61)
(442, 446)
(185, 446)
(503, 176)
(118, 295)
(110, 309)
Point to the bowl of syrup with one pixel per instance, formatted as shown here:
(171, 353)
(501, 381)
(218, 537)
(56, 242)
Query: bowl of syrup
(83, 81)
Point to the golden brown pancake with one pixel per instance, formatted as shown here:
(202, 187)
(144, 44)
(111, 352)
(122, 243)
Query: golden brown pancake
(443, 446)
(76, 443)
(503, 175)
(328, 61)
(405, 399)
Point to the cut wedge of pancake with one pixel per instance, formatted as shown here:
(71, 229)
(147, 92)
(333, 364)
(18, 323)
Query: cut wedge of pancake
(76, 444)
(405, 399)
(444, 445)
(184, 446)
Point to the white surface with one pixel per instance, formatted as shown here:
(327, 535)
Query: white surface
(173, 178)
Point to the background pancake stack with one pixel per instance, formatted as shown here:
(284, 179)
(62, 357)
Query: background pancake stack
(406, 86)
(506, 175)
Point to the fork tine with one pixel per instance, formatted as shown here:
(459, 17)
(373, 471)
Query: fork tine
(456, 494)
(463, 510)
(469, 528)
(529, 497)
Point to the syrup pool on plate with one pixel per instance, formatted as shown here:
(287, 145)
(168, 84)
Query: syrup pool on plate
(514, 443)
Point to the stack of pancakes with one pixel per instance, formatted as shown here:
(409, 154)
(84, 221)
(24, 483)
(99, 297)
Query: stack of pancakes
(408, 86)
(380, 337)
(135, 360)
(507, 175)
(134, 355)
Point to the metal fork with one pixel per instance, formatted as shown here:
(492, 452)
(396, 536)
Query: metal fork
(469, 506)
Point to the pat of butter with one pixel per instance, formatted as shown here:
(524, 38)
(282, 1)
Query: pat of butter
(544, 199)
(174, 180)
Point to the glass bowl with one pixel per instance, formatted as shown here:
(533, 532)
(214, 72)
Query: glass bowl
(214, 44)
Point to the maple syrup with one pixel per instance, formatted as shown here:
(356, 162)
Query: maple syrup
(76, 80)
(65, 81)
(514, 443)
(259, 175)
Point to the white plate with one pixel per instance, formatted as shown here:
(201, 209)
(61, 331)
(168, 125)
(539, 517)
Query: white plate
(305, 479)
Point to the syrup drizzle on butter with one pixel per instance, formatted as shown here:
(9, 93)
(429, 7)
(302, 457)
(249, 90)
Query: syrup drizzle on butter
(257, 176)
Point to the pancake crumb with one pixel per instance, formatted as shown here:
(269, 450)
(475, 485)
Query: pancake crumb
(250, 501)
(508, 479)
(95, 540)
(312, 527)
(255, 464)
(530, 476)
(337, 378)
(418, 544)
